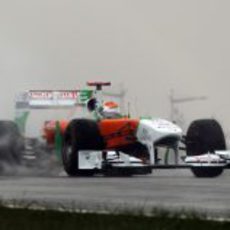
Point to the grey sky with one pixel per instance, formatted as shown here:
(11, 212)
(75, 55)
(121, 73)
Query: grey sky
(151, 46)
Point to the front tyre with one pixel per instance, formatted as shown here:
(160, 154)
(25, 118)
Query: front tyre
(207, 171)
(205, 136)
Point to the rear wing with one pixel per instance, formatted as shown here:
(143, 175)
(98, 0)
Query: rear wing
(47, 99)
(52, 99)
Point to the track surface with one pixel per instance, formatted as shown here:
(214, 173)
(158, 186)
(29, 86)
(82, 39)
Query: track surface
(175, 189)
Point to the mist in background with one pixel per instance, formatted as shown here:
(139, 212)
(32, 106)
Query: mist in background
(149, 46)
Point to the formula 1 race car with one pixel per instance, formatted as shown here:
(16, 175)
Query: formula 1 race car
(110, 143)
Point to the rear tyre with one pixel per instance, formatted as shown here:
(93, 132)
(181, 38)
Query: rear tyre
(81, 134)
(205, 136)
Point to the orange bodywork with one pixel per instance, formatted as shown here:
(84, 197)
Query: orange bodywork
(115, 132)
(118, 132)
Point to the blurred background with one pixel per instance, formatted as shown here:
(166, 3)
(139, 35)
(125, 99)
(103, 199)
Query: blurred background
(153, 49)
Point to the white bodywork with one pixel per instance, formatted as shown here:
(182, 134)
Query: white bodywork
(224, 154)
(152, 130)
(90, 159)
(93, 160)
(219, 158)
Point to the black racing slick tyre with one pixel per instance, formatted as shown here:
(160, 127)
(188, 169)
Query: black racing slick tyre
(207, 171)
(205, 136)
(11, 143)
(81, 134)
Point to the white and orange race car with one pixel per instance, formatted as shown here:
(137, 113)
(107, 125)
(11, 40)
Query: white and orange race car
(110, 143)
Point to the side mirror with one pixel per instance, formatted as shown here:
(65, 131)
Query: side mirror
(92, 104)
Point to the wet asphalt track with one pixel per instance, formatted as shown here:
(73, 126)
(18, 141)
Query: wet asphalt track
(175, 189)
